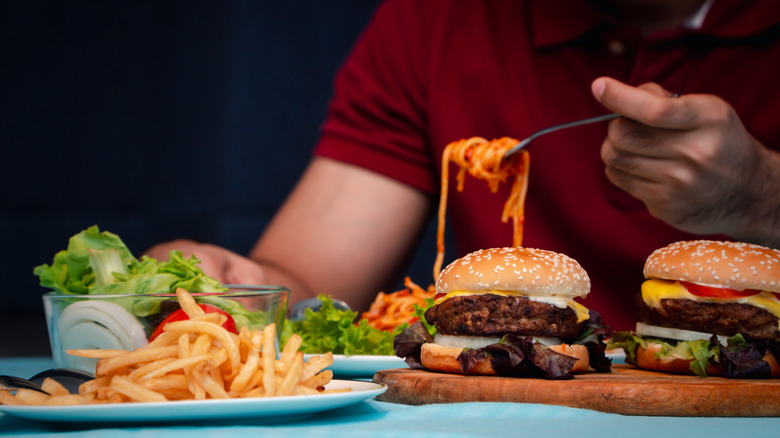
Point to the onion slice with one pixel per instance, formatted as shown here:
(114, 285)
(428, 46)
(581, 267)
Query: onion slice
(675, 334)
(97, 324)
(463, 341)
(476, 342)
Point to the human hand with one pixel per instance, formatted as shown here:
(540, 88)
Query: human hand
(220, 263)
(689, 159)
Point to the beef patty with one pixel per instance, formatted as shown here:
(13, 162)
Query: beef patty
(496, 315)
(727, 319)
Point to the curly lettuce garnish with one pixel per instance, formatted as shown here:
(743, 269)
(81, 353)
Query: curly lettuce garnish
(739, 358)
(514, 355)
(100, 263)
(335, 330)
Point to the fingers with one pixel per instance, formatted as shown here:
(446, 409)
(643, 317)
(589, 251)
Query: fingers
(217, 262)
(645, 177)
(161, 251)
(649, 104)
(658, 90)
(689, 159)
(228, 267)
(240, 270)
(631, 138)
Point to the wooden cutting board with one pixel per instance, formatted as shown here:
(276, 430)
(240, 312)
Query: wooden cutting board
(625, 390)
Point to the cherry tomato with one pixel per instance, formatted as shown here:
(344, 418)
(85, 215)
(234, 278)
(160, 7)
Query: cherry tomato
(180, 315)
(717, 292)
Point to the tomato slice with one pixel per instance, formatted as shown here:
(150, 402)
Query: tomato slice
(180, 315)
(701, 290)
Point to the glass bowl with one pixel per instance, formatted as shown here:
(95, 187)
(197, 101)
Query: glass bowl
(127, 321)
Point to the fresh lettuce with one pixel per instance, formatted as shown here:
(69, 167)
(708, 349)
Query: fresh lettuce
(335, 330)
(100, 263)
(514, 355)
(408, 343)
(700, 352)
(593, 338)
(419, 313)
(740, 359)
(522, 357)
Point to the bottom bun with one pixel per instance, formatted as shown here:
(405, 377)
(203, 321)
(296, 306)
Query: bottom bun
(646, 360)
(577, 351)
(445, 359)
(436, 357)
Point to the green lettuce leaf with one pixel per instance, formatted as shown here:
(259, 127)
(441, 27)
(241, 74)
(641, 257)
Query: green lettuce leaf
(701, 352)
(335, 330)
(513, 355)
(99, 263)
(419, 312)
(91, 260)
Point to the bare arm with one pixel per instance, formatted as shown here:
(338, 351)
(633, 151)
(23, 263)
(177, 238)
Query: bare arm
(692, 162)
(344, 231)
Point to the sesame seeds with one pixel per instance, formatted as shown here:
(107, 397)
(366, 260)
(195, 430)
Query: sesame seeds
(518, 269)
(736, 265)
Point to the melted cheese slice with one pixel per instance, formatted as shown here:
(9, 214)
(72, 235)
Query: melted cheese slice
(559, 302)
(654, 290)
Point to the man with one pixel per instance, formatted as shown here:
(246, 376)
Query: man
(428, 73)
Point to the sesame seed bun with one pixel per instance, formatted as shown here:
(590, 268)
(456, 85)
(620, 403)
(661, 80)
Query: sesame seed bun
(532, 271)
(733, 265)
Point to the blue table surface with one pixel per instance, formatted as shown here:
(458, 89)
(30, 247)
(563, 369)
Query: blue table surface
(378, 419)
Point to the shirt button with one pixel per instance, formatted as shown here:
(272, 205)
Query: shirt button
(616, 47)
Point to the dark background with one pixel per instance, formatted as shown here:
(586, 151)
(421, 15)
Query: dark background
(156, 120)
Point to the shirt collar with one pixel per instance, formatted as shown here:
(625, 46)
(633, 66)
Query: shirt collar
(697, 20)
(740, 18)
(558, 21)
(720, 18)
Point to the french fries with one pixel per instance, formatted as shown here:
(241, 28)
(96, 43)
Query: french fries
(193, 359)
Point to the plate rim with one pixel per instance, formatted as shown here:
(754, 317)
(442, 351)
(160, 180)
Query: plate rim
(360, 366)
(367, 357)
(186, 410)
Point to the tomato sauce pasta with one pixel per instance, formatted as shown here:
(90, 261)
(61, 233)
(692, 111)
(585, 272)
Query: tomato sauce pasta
(481, 159)
(484, 159)
(388, 311)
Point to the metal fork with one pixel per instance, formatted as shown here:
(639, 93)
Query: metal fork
(12, 383)
(69, 378)
(523, 143)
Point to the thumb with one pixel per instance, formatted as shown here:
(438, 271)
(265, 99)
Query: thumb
(598, 86)
(649, 103)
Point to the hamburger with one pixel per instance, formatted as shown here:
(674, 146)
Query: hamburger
(708, 308)
(509, 311)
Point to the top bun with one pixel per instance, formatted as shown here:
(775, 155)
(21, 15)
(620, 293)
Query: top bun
(733, 265)
(528, 270)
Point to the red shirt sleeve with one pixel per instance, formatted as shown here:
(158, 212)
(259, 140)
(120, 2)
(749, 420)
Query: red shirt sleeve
(377, 118)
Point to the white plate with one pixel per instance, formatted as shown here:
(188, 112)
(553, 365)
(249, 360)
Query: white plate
(617, 356)
(264, 410)
(362, 366)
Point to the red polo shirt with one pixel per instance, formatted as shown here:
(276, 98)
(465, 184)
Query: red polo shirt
(426, 73)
